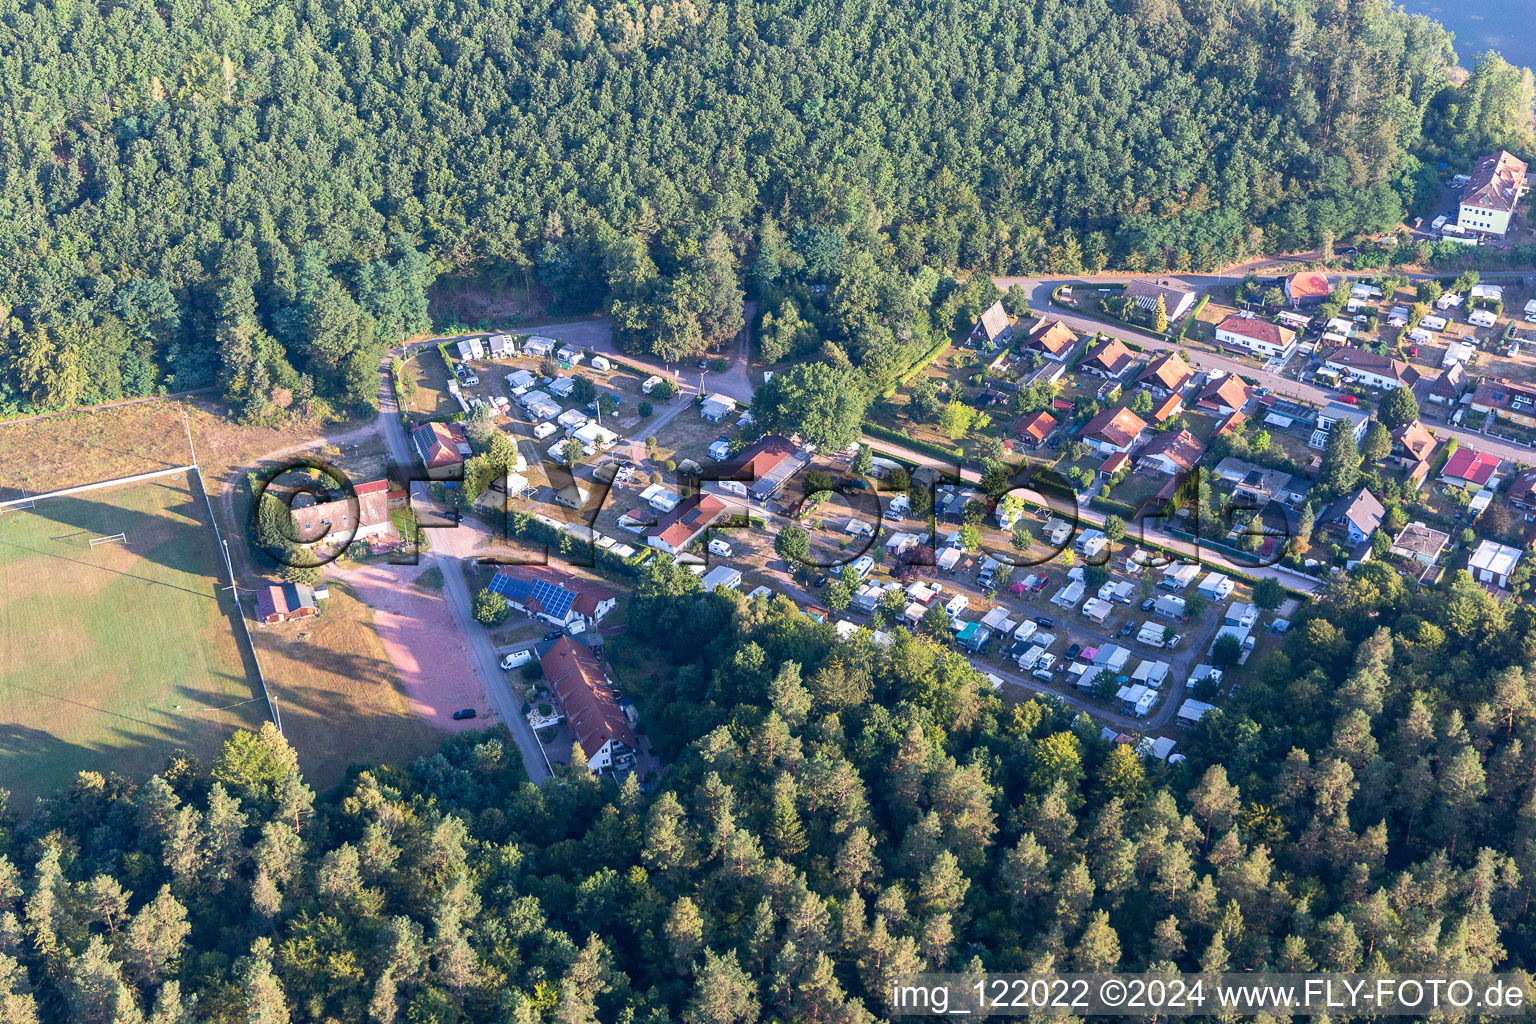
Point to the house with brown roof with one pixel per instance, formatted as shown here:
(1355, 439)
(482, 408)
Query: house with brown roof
(1167, 409)
(1506, 399)
(1224, 394)
(556, 597)
(443, 447)
(1170, 452)
(1168, 374)
(1370, 368)
(1489, 199)
(686, 523)
(1113, 430)
(993, 328)
(1110, 358)
(1035, 429)
(283, 602)
(1176, 298)
(1412, 442)
(1522, 490)
(1448, 388)
(1114, 464)
(584, 696)
(1052, 339)
(1244, 332)
(1307, 289)
(342, 521)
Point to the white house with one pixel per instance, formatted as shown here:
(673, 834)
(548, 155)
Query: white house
(561, 387)
(1330, 414)
(595, 435)
(1489, 198)
(502, 345)
(1178, 575)
(1493, 562)
(1250, 334)
(555, 597)
(659, 498)
(571, 419)
(1217, 586)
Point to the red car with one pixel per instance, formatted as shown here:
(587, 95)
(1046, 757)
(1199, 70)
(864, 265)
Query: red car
(1348, 399)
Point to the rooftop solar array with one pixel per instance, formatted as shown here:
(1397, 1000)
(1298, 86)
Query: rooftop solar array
(553, 600)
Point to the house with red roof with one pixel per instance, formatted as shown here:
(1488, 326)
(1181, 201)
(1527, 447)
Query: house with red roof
(1307, 289)
(765, 465)
(686, 523)
(1171, 452)
(1113, 430)
(1168, 374)
(1225, 394)
(1489, 199)
(1052, 339)
(442, 447)
(1467, 467)
(1246, 333)
(345, 520)
(283, 602)
(584, 696)
(1035, 429)
(1167, 409)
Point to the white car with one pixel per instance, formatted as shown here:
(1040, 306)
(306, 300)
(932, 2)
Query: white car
(517, 659)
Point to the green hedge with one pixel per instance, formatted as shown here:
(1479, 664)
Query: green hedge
(914, 443)
(924, 361)
(526, 527)
(442, 350)
(1193, 315)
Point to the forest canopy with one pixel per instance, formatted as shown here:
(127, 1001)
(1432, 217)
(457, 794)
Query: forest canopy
(262, 195)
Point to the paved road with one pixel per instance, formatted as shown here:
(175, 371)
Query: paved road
(1040, 290)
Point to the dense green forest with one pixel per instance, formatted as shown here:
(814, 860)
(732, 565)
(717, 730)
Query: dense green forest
(833, 812)
(261, 195)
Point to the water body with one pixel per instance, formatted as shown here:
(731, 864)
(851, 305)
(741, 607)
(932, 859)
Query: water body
(1508, 26)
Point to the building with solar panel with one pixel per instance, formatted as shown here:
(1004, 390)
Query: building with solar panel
(555, 597)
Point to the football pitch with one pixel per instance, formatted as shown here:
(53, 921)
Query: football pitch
(114, 655)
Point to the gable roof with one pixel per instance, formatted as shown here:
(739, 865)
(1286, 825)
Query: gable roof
(994, 321)
(1051, 336)
(372, 509)
(1471, 465)
(760, 458)
(1146, 293)
(440, 444)
(1451, 383)
(555, 593)
(573, 674)
(1370, 362)
(1111, 356)
(1258, 330)
(1227, 390)
(685, 522)
(1037, 427)
(1118, 427)
(282, 598)
(1362, 510)
(1170, 407)
(1168, 370)
(1230, 424)
(1181, 448)
(1114, 464)
(1415, 439)
(1495, 182)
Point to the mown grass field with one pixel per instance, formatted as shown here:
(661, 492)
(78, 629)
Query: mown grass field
(112, 658)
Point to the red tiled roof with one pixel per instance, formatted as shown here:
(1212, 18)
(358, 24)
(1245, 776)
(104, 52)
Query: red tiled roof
(1111, 356)
(1471, 465)
(1230, 424)
(1037, 427)
(573, 675)
(1258, 330)
(1114, 464)
(1309, 284)
(1181, 447)
(1415, 439)
(691, 517)
(372, 509)
(438, 443)
(1053, 336)
(760, 458)
(1371, 362)
(1168, 370)
(1228, 391)
(1169, 409)
(1117, 427)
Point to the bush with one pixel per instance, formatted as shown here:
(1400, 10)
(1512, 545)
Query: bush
(646, 408)
(532, 670)
(491, 609)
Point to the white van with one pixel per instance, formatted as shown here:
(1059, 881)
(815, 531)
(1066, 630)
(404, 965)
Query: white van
(517, 659)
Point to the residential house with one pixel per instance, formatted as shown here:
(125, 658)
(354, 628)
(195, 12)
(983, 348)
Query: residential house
(556, 597)
(1522, 491)
(1246, 333)
(1307, 289)
(1052, 339)
(584, 696)
(766, 465)
(1112, 465)
(1177, 299)
(443, 447)
(1357, 418)
(1493, 562)
(1168, 374)
(1506, 399)
(1170, 453)
(1034, 430)
(1419, 542)
(344, 520)
(282, 602)
(1113, 430)
(1224, 394)
(1110, 358)
(993, 329)
(1488, 200)
(1256, 486)
(1448, 388)
(1467, 467)
(1356, 517)
(717, 407)
(1167, 409)
(1232, 424)
(1371, 369)
(1412, 443)
(686, 523)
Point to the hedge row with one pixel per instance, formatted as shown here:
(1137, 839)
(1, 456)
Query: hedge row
(526, 527)
(914, 443)
(925, 360)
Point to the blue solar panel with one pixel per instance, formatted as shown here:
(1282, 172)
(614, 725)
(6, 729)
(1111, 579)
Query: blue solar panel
(553, 599)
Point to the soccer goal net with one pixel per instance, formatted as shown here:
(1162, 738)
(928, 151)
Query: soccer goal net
(116, 538)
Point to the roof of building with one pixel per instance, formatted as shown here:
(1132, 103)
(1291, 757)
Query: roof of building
(1451, 383)
(685, 522)
(1230, 424)
(1415, 439)
(1146, 294)
(1471, 465)
(1418, 539)
(760, 458)
(1168, 370)
(1491, 556)
(1169, 408)
(1308, 284)
(372, 509)
(555, 593)
(994, 321)
(1052, 336)
(1258, 330)
(1117, 427)
(1180, 447)
(440, 444)
(573, 674)
(1495, 183)
(1227, 390)
(1114, 464)
(1371, 362)
(1037, 426)
(1110, 356)
(1362, 510)
(283, 598)
(1512, 396)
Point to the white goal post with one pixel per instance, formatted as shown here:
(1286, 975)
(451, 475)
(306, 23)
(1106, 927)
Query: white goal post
(118, 538)
(20, 506)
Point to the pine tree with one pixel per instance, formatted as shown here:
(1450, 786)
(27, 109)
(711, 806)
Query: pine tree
(722, 993)
(96, 991)
(1160, 316)
(786, 834)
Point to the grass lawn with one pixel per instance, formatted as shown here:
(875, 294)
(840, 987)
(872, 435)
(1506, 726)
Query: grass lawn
(338, 692)
(111, 659)
(432, 400)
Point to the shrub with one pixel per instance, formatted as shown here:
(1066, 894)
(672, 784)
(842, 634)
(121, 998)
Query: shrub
(646, 408)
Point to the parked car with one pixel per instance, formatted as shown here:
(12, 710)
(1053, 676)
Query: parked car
(459, 716)
(1174, 642)
(1148, 604)
(1128, 628)
(1045, 622)
(555, 634)
(1074, 651)
(1348, 399)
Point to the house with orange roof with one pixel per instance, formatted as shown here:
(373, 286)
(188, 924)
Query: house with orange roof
(1113, 430)
(1168, 374)
(584, 695)
(1052, 339)
(1225, 394)
(1110, 358)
